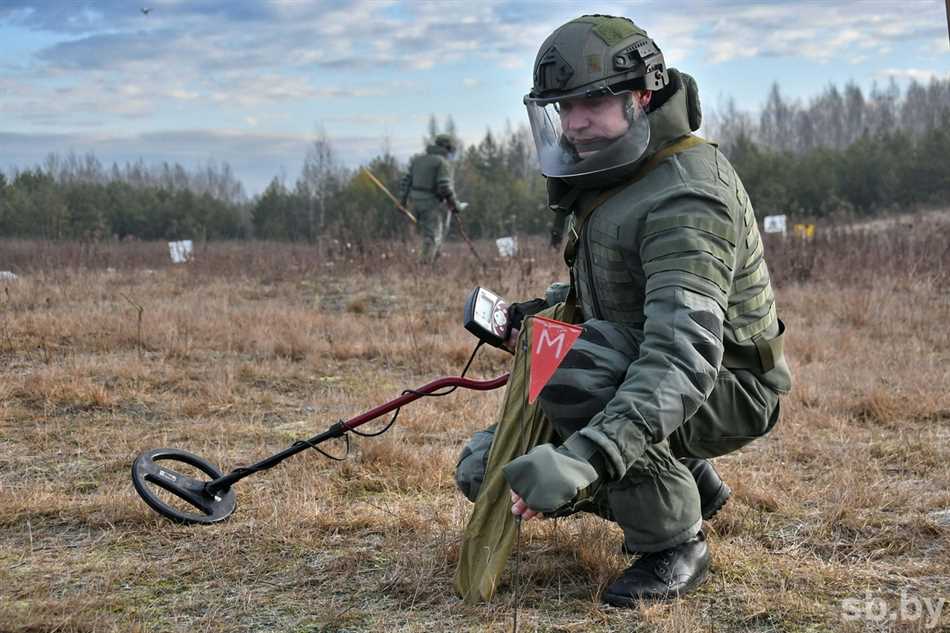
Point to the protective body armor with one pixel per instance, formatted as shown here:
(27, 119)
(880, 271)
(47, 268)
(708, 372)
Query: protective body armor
(710, 215)
(671, 251)
(430, 176)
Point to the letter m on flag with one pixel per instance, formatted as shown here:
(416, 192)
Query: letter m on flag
(550, 342)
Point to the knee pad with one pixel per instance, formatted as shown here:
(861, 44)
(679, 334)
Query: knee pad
(470, 468)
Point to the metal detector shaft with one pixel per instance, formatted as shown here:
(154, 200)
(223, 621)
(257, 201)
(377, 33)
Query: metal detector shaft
(458, 223)
(340, 428)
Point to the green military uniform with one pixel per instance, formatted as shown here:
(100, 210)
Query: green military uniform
(681, 353)
(674, 262)
(427, 184)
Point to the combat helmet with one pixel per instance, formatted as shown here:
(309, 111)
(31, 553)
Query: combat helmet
(590, 57)
(446, 142)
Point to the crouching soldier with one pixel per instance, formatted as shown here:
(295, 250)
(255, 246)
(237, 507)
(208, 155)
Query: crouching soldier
(680, 359)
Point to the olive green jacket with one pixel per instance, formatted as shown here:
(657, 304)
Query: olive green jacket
(429, 179)
(676, 255)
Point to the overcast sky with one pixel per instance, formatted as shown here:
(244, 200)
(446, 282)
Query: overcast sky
(251, 81)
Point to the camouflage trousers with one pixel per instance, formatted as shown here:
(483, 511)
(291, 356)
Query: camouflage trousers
(656, 502)
(430, 224)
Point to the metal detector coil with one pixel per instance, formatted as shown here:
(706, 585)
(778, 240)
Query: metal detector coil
(212, 505)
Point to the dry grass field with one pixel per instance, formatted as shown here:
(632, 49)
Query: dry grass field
(840, 518)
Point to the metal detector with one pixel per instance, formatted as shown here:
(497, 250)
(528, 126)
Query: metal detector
(212, 500)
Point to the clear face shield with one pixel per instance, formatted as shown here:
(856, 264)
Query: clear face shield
(577, 135)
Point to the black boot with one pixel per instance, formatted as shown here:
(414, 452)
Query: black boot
(713, 491)
(661, 575)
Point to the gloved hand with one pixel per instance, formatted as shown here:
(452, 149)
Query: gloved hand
(516, 316)
(548, 478)
(556, 238)
(518, 311)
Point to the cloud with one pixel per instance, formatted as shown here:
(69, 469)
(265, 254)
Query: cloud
(248, 91)
(102, 65)
(816, 31)
(200, 35)
(245, 54)
(919, 75)
(82, 103)
(938, 45)
(300, 34)
(84, 16)
(114, 51)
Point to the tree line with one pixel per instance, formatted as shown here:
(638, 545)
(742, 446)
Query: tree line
(76, 197)
(842, 152)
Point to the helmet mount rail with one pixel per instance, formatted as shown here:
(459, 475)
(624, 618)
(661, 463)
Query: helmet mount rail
(213, 500)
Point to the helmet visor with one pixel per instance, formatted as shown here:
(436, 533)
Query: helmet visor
(585, 135)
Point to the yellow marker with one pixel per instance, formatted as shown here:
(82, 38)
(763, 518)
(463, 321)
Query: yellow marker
(804, 231)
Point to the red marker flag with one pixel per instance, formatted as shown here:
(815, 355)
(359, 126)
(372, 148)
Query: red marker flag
(550, 341)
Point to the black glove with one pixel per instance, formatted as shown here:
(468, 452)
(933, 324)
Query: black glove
(518, 311)
(556, 238)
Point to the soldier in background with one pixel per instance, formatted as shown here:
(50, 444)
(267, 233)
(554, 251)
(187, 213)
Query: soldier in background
(429, 183)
